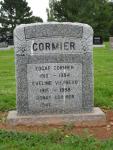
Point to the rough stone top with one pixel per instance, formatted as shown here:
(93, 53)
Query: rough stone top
(52, 37)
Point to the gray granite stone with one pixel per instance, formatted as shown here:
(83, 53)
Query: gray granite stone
(54, 72)
(95, 118)
(81, 34)
(3, 45)
(54, 68)
(111, 42)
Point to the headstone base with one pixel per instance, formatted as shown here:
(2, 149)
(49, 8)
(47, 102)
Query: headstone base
(96, 118)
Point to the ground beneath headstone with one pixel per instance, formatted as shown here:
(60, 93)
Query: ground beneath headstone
(101, 132)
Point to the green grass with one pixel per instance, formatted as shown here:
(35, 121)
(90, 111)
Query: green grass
(103, 75)
(54, 140)
(7, 80)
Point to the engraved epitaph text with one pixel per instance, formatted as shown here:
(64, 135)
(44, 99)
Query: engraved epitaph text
(52, 84)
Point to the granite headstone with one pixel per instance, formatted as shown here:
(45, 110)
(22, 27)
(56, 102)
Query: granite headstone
(54, 70)
(97, 40)
(111, 42)
(3, 42)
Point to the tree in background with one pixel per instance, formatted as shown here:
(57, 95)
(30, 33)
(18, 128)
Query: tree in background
(50, 11)
(111, 22)
(97, 13)
(15, 12)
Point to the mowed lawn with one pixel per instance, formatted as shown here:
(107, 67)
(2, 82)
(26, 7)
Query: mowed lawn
(54, 140)
(7, 80)
(103, 78)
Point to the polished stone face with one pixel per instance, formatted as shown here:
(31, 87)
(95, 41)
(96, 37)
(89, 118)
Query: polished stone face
(54, 68)
(54, 86)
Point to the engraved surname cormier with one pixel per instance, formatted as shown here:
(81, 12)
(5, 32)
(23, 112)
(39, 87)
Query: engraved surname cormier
(53, 46)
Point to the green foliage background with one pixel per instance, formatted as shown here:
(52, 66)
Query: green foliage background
(15, 12)
(97, 13)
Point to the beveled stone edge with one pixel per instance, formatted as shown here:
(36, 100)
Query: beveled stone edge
(20, 41)
(96, 118)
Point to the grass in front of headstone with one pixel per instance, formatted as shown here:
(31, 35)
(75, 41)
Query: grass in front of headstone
(55, 140)
(103, 70)
(103, 77)
(7, 80)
